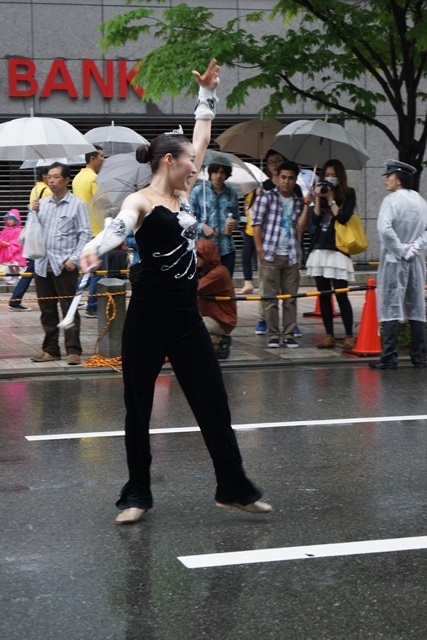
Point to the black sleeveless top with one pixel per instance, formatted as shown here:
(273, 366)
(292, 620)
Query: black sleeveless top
(167, 249)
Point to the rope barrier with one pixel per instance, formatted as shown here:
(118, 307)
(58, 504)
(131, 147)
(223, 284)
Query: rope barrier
(288, 296)
(124, 272)
(92, 295)
(29, 274)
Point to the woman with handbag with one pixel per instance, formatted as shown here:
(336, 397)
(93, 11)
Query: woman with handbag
(331, 268)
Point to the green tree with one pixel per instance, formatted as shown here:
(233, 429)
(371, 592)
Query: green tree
(352, 55)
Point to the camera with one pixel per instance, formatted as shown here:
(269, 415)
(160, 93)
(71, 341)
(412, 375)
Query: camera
(326, 186)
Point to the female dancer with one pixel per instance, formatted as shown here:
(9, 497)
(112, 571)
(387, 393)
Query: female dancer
(163, 319)
(331, 268)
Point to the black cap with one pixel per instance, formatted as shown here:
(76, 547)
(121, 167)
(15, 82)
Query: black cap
(395, 166)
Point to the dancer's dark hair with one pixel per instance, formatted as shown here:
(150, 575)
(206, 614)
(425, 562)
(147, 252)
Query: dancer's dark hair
(153, 152)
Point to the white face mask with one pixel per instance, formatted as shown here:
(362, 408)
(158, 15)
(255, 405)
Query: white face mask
(333, 180)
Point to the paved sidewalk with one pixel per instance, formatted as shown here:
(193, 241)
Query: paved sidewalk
(21, 337)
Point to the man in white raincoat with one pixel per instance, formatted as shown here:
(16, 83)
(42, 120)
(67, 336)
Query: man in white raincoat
(402, 225)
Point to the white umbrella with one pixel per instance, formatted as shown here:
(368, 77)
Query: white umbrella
(314, 142)
(226, 160)
(114, 139)
(32, 138)
(46, 162)
(243, 181)
(252, 138)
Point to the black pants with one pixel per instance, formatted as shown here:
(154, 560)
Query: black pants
(65, 284)
(149, 335)
(324, 284)
(249, 256)
(417, 350)
(228, 260)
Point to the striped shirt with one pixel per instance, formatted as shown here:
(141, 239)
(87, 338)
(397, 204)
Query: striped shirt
(267, 214)
(66, 230)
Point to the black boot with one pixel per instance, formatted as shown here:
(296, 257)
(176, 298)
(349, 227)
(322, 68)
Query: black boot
(383, 365)
(223, 349)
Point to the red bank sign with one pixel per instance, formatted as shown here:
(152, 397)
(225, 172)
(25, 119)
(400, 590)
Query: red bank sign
(113, 83)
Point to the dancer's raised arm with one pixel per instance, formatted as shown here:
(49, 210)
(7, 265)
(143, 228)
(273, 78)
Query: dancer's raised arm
(205, 112)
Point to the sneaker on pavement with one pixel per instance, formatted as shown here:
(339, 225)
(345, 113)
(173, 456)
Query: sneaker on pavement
(91, 313)
(297, 333)
(73, 359)
(81, 305)
(19, 307)
(290, 343)
(261, 328)
(274, 343)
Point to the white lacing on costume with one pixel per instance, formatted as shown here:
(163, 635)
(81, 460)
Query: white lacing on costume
(189, 232)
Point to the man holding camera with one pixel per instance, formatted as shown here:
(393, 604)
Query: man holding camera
(279, 220)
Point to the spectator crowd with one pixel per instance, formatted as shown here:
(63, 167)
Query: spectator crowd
(290, 205)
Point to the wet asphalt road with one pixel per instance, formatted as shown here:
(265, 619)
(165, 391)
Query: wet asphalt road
(69, 572)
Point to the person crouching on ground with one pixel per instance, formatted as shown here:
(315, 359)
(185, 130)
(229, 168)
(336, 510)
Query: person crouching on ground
(220, 317)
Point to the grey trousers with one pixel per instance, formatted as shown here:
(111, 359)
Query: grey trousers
(279, 278)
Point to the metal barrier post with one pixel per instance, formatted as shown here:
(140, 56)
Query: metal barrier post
(110, 345)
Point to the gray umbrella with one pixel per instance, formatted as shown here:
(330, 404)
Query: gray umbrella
(314, 142)
(119, 176)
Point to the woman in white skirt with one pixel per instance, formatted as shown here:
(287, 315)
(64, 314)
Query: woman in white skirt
(331, 268)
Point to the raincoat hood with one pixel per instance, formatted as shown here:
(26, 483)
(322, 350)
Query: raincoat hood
(13, 214)
(208, 250)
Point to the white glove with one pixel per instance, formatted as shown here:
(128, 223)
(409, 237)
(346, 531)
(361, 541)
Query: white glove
(411, 251)
(114, 233)
(109, 238)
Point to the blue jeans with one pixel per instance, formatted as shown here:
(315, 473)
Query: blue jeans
(22, 286)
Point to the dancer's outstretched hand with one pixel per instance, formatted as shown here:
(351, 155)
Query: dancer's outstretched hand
(209, 78)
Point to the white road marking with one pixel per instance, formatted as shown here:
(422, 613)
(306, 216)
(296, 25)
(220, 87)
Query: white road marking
(236, 427)
(303, 553)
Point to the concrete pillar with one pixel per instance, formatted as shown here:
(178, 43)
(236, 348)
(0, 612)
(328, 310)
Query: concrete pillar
(111, 341)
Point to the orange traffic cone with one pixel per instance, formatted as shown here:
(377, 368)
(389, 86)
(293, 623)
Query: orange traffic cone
(317, 313)
(368, 340)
